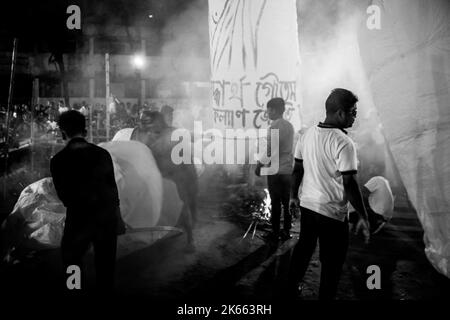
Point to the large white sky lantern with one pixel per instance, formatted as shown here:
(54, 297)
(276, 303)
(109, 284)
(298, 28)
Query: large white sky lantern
(254, 56)
(407, 62)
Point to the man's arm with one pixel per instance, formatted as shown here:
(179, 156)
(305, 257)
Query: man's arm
(272, 147)
(297, 174)
(58, 182)
(365, 192)
(111, 180)
(353, 194)
(297, 177)
(265, 157)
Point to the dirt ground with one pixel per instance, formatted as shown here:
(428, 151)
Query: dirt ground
(225, 266)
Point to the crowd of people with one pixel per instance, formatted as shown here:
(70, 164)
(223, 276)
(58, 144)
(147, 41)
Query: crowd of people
(318, 176)
(27, 122)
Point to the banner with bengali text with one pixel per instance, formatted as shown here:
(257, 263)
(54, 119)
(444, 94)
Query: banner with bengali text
(254, 57)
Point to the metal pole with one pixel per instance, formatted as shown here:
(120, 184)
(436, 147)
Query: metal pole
(91, 139)
(91, 88)
(107, 94)
(11, 88)
(35, 102)
(144, 54)
(8, 110)
(35, 97)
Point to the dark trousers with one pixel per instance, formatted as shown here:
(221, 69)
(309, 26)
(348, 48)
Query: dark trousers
(279, 190)
(333, 245)
(186, 181)
(77, 238)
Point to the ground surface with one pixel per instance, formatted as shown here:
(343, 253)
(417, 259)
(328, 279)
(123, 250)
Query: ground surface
(226, 266)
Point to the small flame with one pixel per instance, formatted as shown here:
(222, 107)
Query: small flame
(267, 205)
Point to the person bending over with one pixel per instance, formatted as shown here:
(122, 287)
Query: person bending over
(156, 134)
(379, 203)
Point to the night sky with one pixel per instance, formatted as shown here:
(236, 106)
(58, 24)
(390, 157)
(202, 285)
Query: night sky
(45, 20)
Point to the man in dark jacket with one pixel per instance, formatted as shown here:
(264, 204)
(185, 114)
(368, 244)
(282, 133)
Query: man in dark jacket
(83, 175)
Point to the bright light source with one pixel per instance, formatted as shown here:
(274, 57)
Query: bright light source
(150, 16)
(138, 61)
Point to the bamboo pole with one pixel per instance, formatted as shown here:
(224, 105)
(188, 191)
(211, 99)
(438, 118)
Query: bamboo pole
(10, 96)
(108, 94)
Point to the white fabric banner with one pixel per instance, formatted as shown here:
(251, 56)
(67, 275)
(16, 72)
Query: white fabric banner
(407, 61)
(254, 57)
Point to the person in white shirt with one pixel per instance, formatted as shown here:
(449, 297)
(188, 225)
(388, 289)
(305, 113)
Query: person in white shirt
(326, 165)
(379, 203)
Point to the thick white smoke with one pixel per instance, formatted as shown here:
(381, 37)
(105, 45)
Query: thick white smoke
(185, 41)
(330, 56)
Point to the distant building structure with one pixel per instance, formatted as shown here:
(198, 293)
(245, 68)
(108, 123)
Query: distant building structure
(159, 77)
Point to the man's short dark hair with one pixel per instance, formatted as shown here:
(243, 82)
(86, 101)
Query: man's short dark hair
(166, 109)
(340, 99)
(155, 116)
(72, 122)
(276, 103)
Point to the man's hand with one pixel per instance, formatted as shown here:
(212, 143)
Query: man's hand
(294, 207)
(363, 227)
(294, 203)
(258, 170)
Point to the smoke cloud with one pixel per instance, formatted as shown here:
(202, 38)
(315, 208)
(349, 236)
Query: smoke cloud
(328, 38)
(329, 51)
(185, 43)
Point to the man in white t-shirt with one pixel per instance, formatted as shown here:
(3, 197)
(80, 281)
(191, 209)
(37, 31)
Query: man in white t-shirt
(326, 165)
(379, 203)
